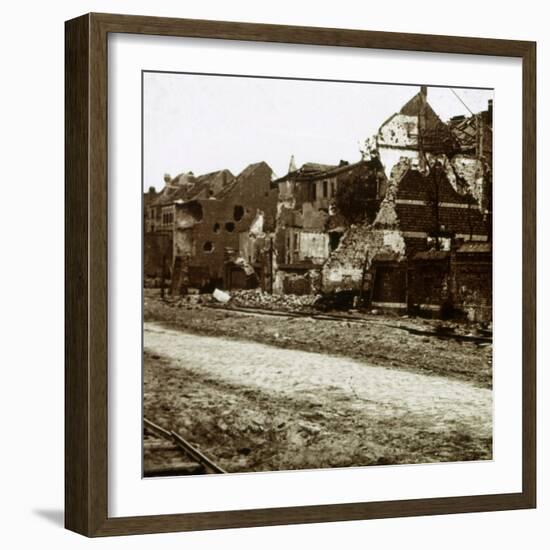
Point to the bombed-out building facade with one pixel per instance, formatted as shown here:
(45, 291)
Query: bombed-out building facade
(210, 235)
(310, 225)
(406, 227)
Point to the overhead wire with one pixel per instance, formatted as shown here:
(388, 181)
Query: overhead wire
(464, 103)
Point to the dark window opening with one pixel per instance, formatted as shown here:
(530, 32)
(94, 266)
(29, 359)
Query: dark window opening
(230, 227)
(334, 240)
(325, 189)
(238, 213)
(216, 227)
(208, 246)
(195, 209)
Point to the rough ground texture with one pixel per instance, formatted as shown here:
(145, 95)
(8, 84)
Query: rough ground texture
(382, 341)
(254, 407)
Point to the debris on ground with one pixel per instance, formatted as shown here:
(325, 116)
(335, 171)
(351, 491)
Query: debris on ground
(283, 418)
(257, 298)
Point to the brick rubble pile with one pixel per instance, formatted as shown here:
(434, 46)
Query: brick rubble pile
(259, 299)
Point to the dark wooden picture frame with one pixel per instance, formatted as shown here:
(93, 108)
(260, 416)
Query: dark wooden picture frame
(86, 284)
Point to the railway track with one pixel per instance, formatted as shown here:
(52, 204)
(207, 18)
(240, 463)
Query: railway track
(167, 453)
(450, 335)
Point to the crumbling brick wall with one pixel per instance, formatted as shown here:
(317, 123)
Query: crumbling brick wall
(206, 229)
(457, 283)
(351, 261)
(473, 282)
(470, 177)
(345, 267)
(157, 247)
(313, 246)
(389, 284)
(429, 288)
(298, 281)
(307, 213)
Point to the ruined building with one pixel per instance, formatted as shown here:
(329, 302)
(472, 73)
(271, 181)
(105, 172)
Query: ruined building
(159, 208)
(429, 189)
(309, 225)
(416, 255)
(212, 229)
(159, 211)
(406, 228)
(412, 132)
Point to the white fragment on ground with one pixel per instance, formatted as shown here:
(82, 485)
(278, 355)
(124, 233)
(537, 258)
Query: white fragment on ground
(221, 296)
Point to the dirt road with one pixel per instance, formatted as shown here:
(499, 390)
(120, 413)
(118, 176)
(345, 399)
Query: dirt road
(378, 342)
(258, 407)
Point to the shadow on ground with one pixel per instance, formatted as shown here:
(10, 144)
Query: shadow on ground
(57, 517)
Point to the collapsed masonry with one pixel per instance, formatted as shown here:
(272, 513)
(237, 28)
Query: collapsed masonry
(211, 231)
(415, 255)
(407, 227)
(309, 226)
(429, 187)
(349, 266)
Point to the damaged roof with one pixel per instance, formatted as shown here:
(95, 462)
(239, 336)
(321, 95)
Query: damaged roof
(186, 186)
(465, 129)
(316, 167)
(149, 197)
(307, 170)
(313, 170)
(423, 127)
(416, 104)
(247, 172)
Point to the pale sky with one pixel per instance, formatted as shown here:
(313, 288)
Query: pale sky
(203, 123)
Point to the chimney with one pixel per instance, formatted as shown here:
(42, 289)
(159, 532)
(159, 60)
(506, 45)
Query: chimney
(422, 128)
(292, 165)
(424, 92)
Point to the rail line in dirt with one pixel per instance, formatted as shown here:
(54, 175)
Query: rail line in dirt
(169, 454)
(478, 339)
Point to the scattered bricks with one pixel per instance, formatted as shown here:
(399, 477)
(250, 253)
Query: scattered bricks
(257, 298)
(190, 301)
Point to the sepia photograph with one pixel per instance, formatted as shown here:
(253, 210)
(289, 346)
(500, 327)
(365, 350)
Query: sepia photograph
(317, 274)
